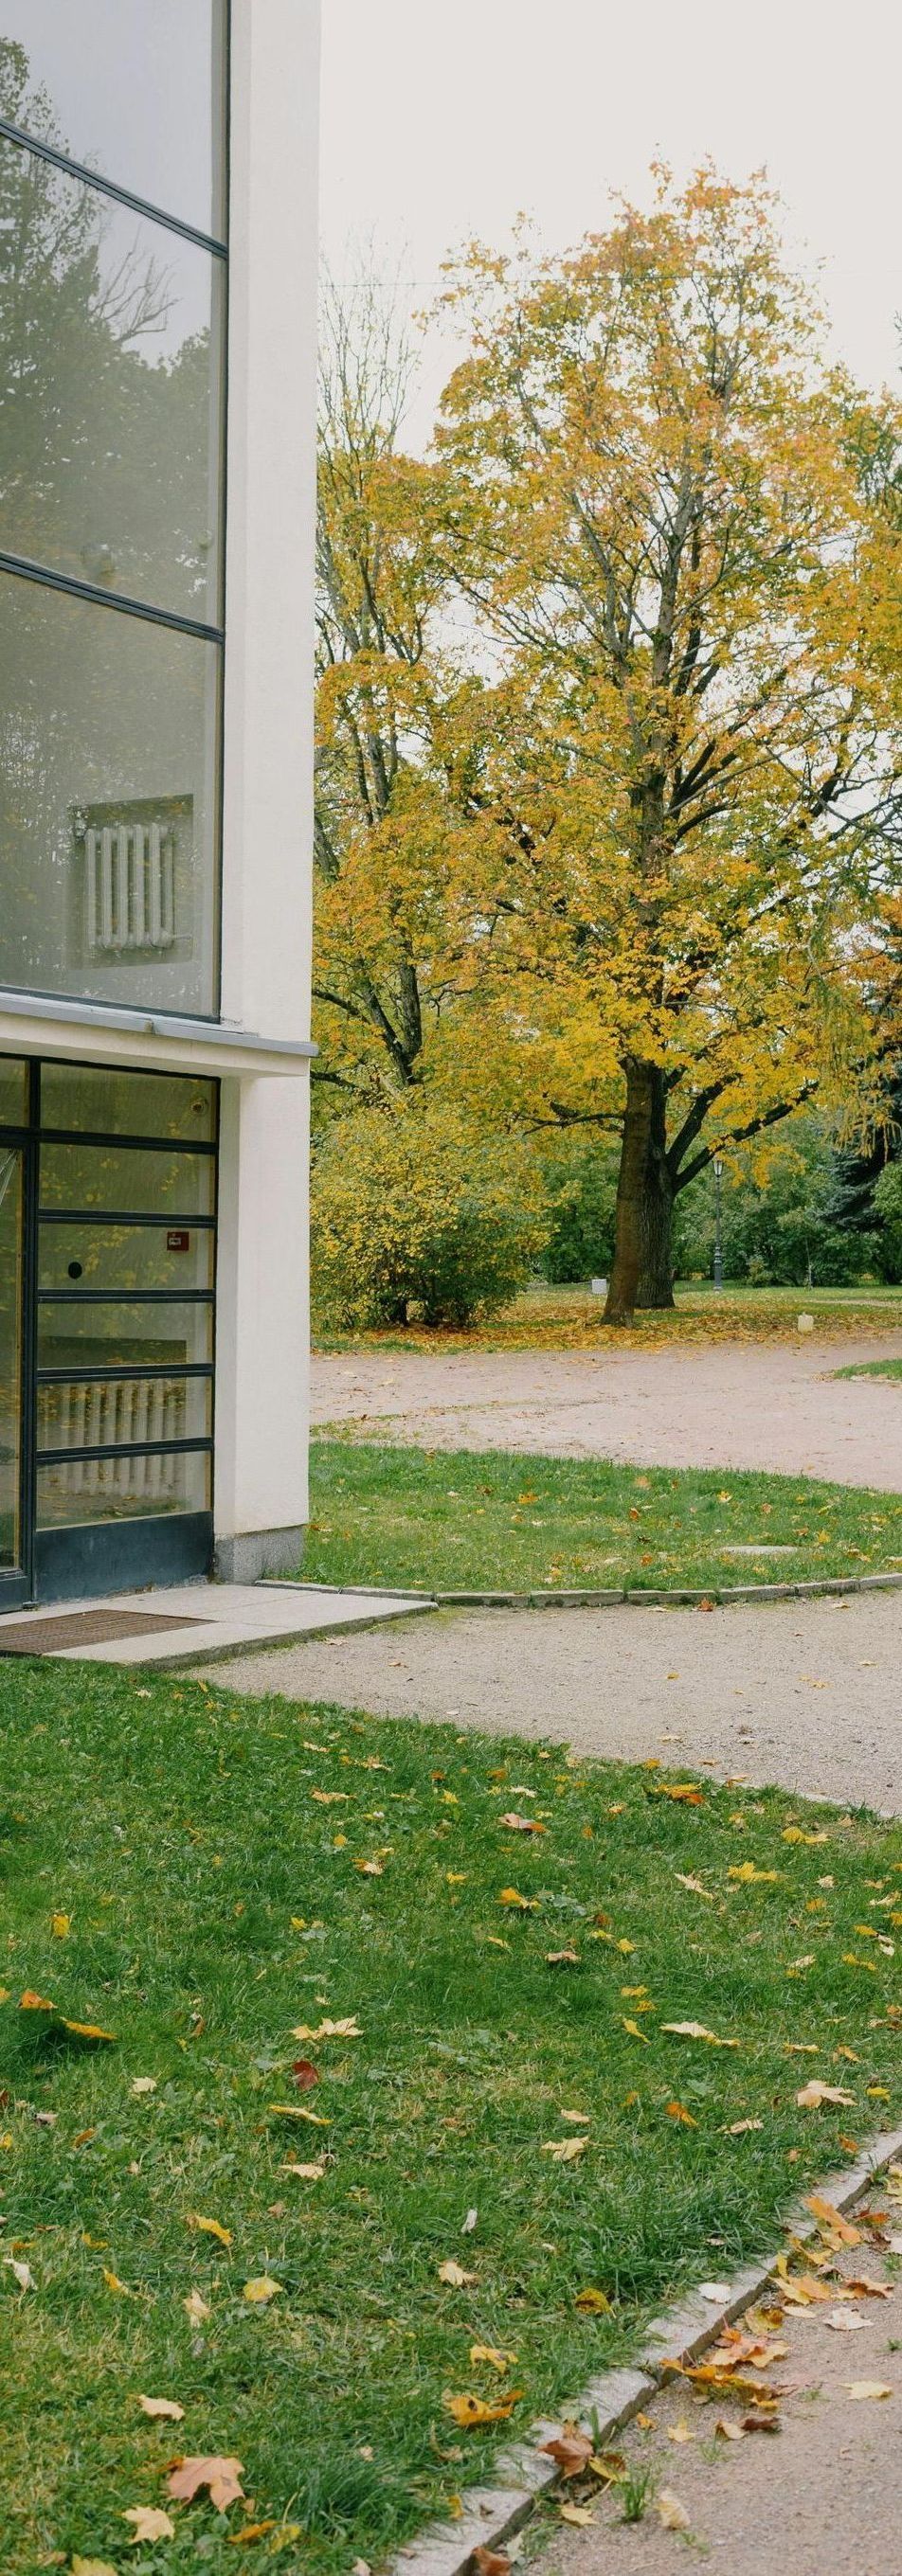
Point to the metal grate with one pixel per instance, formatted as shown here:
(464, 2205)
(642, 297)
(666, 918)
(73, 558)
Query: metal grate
(84, 1628)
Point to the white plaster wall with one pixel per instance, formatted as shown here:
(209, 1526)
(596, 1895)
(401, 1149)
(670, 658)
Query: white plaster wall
(262, 1336)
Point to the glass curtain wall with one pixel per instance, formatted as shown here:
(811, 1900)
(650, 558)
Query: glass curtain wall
(125, 1275)
(112, 365)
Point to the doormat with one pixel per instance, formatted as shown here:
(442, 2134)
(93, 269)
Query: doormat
(85, 1628)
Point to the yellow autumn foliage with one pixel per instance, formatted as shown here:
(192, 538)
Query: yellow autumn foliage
(415, 1207)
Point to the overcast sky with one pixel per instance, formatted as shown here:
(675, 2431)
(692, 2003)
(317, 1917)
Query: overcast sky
(444, 121)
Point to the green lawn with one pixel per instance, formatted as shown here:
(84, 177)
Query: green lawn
(224, 1874)
(872, 1368)
(461, 1520)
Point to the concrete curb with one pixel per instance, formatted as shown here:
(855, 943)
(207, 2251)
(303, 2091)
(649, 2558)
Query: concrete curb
(493, 2513)
(640, 1599)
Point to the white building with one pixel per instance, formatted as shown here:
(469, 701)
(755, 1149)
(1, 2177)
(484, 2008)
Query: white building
(157, 457)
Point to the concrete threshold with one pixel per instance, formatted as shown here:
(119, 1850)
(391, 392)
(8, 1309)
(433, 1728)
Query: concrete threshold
(220, 1619)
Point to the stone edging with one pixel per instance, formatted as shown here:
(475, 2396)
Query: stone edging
(588, 1600)
(493, 2514)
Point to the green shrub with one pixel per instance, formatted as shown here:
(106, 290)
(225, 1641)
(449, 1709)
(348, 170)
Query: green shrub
(418, 1215)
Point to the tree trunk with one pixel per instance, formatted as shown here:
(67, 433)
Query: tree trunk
(629, 1229)
(656, 1266)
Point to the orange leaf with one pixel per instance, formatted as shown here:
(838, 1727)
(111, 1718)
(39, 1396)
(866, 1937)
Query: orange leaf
(222, 2477)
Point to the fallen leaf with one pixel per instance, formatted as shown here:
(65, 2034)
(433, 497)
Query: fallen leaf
(144, 2084)
(829, 2218)
(209, 2227)
(305, 2173)
(695, 1886)
(728, 2432)
(370, 1868)
(671, 2512)
(349, 2029)
(842, 2323)
(259, 2291)
(150, 2521)
(91, 2567)
(747, 1875)
(253, 2531)
(739, 2128)
(21, 2272)
(562, 1959)
(294, 2111)
(119, 2288)
(477, 2410)
(594, 2303)
(304, 2074)
(610, 2466)
(196, 2308)
(864, 2288)
(61, 1926)
(564, 2150)
(511, 1897)
(715, 2292)
(454, 2276)
(685, 1794)
(494, 2355)
(813, 2095)
(696, 2030)
(163, 2407)
(469, 2222)
(487, 2562)
(580, 2515)
(571, 2450)
(88, 2030)
(30, 2002)
(867, 2388)
(221, 2476)
(678, 2111)
(521, 1824)
(795, 1834)
(681, 2432)
(761, 2421)
(633, 2030)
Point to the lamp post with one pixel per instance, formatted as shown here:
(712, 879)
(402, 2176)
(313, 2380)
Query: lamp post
(718, 1242)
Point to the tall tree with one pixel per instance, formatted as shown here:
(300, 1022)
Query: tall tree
(655, 508)
(382, 972)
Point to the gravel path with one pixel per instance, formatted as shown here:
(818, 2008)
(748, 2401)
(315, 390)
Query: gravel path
(805, 1694)
(821, 2498)
(775, 1405)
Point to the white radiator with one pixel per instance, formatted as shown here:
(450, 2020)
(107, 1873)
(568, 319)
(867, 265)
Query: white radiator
(114, 1413)
(129, 887)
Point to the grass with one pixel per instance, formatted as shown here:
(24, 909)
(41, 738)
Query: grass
(462, 1520)
(204, 1859)
(544, 1318)
(872, 1368)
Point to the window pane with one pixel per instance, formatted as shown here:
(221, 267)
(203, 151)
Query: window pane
(10, 1364)
(76, 1335)
(111, 1413)
(115, 1103)
(109, 1489)
(126, 1257)
(131, 1177)
(109, 767)
(135, 88)
(111, 354)
(13, 1095)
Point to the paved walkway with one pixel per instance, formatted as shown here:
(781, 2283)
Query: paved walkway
(776, 1405)
(805, 1694)
(185, 1623)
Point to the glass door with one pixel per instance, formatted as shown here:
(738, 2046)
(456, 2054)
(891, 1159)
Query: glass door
(13, 1584)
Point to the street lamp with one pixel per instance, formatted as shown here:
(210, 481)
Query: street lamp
(718, 1241)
